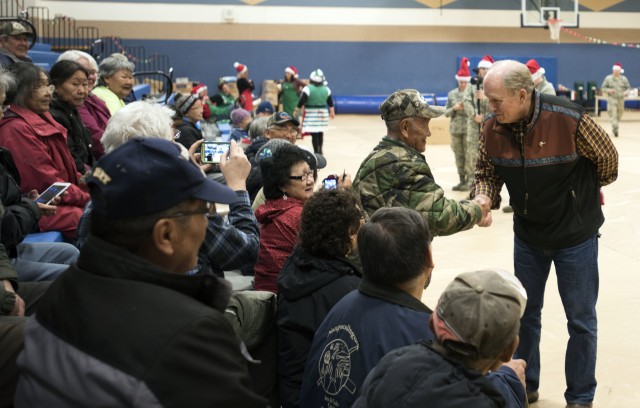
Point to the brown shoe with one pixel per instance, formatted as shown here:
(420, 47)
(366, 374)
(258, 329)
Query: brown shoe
(589, 405)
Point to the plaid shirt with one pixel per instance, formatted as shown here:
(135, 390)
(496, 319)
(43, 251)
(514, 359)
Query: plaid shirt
(592, 142)
(230, 242)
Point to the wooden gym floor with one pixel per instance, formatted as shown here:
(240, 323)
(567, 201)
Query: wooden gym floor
(351, 137)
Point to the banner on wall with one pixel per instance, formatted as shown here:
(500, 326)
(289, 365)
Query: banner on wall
(617, 6)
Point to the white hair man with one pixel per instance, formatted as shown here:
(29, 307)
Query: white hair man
(554, 158)
(231, 242)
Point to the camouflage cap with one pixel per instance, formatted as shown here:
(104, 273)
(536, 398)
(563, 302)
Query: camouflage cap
(14, 28)
(407, 103)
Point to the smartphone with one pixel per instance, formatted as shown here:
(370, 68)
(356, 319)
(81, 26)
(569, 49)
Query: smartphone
(213, 152)
(52, 192)
(330, 183)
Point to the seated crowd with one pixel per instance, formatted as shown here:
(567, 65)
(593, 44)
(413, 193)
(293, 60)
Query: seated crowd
(133, 308)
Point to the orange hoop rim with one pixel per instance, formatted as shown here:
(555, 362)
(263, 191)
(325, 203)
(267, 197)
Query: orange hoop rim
(554, 22)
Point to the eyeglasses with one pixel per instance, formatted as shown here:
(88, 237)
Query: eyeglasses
(44, 88)
(5, 108)
(202, 211)
(304, 177)
(284, 129)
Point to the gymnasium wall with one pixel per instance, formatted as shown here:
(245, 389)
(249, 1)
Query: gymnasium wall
(362, 50)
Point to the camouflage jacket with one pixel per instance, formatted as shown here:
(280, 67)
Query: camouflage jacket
(471, 107)
(545, 87)
(395, 174)
(619, 85)
(458, 124)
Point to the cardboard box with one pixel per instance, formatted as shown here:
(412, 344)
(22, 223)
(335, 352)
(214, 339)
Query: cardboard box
(233, 89)
(271, 96)
(183, 87)
(439, 131)
(269, 85)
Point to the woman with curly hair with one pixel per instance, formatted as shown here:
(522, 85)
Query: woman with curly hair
(313, 279)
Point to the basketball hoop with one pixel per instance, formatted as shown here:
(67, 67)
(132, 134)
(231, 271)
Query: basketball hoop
(554, 28)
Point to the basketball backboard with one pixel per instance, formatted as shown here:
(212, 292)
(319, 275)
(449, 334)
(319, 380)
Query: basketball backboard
(535, 13)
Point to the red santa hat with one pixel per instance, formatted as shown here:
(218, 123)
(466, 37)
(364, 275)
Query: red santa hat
(486, 62)
(241, 68)
(199, 90)
(535, 69)
(618, 67)
(291, 70)
(463, 73)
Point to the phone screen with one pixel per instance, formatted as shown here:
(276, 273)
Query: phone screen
(330, 184)
(52, 192)
(213, 152)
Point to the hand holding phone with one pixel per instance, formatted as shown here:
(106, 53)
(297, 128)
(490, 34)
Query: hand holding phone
(54, 190)
(330, 183)
(213, 152)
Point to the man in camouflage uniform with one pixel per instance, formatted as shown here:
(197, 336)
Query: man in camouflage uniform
(476, 106)
(396, 174)
(458, 126)
(615, 87)
(539, 81)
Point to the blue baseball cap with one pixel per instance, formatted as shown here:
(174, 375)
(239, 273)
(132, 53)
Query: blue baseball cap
(265, 107)
(280, 118)
(148, 175)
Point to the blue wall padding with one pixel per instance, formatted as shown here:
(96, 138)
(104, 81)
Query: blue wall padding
(380, 68)
(140, 90)
(358, 104)
(441, 100)
(367, 104)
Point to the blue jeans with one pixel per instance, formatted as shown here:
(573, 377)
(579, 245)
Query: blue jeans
(43, 261)
(577, 274)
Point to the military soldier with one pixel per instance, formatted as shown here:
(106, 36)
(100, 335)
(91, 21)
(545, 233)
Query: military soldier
(615, 87)
(539, 81)
(396, 174)
(458, 127)
(476, 106)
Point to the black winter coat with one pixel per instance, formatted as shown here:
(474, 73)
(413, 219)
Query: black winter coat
(189, 133)
(78, 136)
(410, 376)
(21, 215)
(308, 287)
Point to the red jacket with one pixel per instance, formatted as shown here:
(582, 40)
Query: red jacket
(39, 145)
(280, 223)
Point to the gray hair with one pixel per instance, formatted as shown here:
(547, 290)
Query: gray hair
(75, 55)
(6, 81)
(138, 119)
(515, 75)
(113, 64)
(257, 127)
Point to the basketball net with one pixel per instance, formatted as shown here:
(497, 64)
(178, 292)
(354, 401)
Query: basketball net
(554, 29)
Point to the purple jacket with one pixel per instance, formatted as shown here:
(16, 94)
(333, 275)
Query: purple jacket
(95, 115)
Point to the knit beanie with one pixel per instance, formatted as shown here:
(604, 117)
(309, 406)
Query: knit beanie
(238, 116)
(185, 102)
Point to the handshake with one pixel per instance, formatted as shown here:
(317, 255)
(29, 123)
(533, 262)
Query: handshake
(485, 205)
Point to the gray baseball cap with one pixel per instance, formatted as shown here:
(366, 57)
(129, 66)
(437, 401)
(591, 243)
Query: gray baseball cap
(479, 313)
(407, 103)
